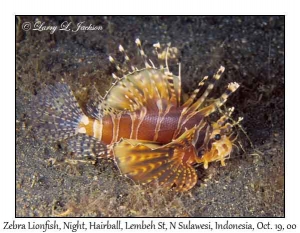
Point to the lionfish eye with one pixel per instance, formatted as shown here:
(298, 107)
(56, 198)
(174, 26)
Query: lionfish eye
(217, 137)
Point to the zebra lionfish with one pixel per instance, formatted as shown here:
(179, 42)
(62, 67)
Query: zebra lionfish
(143, 123)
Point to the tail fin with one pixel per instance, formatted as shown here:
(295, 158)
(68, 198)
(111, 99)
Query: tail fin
(56, 113)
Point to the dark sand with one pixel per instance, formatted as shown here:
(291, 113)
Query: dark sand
(251, 49)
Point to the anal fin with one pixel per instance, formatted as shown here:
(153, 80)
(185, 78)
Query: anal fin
(87, 146)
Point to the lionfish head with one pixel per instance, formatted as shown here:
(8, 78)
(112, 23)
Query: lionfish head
(219, 142)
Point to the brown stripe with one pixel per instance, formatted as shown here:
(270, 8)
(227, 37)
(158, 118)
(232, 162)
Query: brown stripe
(107, 131)
(147, 126)
(125, 126)
(168, 125)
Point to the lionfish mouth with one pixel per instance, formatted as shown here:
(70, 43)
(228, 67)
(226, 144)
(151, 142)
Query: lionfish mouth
(220, 151)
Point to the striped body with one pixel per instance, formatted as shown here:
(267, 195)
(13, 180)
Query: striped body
(110, 129)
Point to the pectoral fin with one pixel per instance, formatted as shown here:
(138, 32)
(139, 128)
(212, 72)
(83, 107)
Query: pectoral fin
(144, 161)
